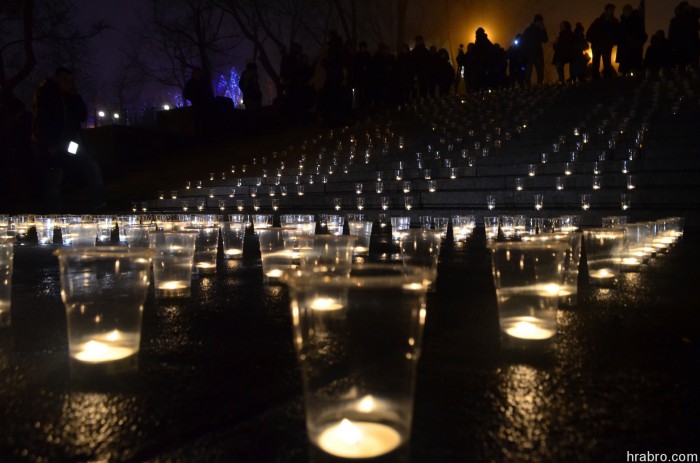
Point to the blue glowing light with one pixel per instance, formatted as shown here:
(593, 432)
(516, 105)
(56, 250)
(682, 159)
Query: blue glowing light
(227, 85)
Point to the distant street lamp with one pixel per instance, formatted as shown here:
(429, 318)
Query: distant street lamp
(166, 107)
(116, 115)
(101, 114)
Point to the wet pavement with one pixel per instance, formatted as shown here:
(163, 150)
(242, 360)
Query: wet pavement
(219, 381)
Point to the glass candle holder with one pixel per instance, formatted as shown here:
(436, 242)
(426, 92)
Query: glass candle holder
(625, 201)
(519, 184)
(532, 170)
(330, 255)
(462, 227)
(360, 200)
(277, 256)
(232, 236)
(568, 168)
(528, 278)
(205, 248)
(358, 188)
(45, 227)
(432, 186)
(421, 248)
(585, 201)
(103, 290)
(261, 221)
(332, 223)
(507, 223)
(491, 226)
(123, 221)
(83, 234)
(368, 327)
(173, 262)
(362, 232)
(136, 235)
(638, 248)
(568, 289)
(490, 202)
(399, 227)
(441, 226)
(385, 203)
(544, 158)
(337, 203)
(105, 225)
(408, 202)
(604, 251)
(597, 182)
(539, 202)
(406, 188)
(6, 256)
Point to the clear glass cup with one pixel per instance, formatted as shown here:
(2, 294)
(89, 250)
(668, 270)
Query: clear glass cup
(462, 227)
(604, 251)
(83, 234)
(45, 227)
(277, 256)
(19, 225)
(519, 184)
(367, 328)
(399, 226)
(64, 223)
(105, 226)
(638, 247)
(6, 256)
(302, 224)
(137, 234)
(569, 287)
(528, 278)
(585, 201)
(490, 202)
(173, 262)
(362, 232)
(421, 248)
(332, 223)
(327, 254)
(123, 221)
(232, 236)
(103, 290)
(205, 249)
(539, 202)
(491, 226)
(261, 221)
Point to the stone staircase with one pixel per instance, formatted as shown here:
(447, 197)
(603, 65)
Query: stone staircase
(634, 137)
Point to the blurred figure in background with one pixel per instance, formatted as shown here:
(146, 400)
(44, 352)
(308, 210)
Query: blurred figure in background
(564, 50)
(581, 58)
(249, 84)
(683, 35)
(58, 111)
(516, 63)
(630, 49)
(602, 34)
(659, 54)
(532, 40)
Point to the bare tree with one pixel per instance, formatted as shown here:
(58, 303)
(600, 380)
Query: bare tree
(183, 34)
(44, 32)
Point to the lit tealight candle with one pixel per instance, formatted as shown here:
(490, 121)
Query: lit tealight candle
(233, 252)
(172, 285)
(528, 328)
(205, 265)
(358, 439)
(274, 273)
(602, 274)
(103, 349)
(361, 249)
(325, 304)
(630, 261)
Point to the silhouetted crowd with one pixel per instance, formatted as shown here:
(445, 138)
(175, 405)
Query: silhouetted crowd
(344, 76)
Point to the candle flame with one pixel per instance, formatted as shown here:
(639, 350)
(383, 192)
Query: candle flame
(366, 405)
(349, 432)
(325, 304)
(528, 330)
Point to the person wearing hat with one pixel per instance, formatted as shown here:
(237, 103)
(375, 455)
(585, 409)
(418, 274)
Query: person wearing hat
(532, 40)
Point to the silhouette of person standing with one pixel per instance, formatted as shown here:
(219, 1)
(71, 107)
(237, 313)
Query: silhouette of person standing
(483, 60)
(532, 40)
(581, 59)
(631, 41)
(198, 92)
(564, 50)
(420, 62)
(516, 63)
(249, 84)
(58, 111)
(659, 54)
(683, 35)
(602, 34)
